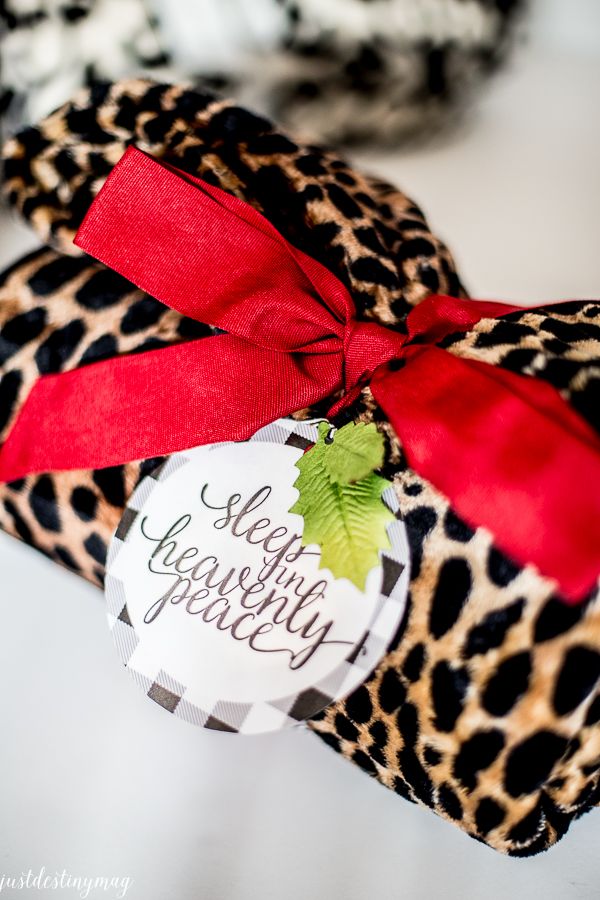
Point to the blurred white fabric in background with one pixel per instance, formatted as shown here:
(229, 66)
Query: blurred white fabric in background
(99, 781)
(218, 33)
(346, 70)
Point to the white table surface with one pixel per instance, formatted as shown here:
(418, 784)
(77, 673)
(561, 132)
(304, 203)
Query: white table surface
(97, 780)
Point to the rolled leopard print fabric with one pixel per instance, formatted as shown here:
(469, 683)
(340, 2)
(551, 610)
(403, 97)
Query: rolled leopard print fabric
(487, 707)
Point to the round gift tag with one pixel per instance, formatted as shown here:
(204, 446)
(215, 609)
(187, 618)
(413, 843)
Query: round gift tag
(218, 611)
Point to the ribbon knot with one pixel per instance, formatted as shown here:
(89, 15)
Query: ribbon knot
(509, 453)
(367, 346)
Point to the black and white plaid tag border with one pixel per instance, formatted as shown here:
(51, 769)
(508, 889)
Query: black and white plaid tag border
(225, 715)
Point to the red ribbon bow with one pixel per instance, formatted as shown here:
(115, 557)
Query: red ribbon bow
(509, 453)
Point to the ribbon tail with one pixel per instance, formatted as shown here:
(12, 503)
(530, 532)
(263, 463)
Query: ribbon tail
(219, 388)
(510, 455)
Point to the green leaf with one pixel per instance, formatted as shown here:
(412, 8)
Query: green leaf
(347, 520)
(355, 452)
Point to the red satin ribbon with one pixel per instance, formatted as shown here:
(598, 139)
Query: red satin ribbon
(508, 452)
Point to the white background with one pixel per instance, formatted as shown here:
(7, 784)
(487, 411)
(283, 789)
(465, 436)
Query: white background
(100, 781)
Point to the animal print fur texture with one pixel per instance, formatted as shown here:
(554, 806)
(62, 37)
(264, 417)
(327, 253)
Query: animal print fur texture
(487, 707)
(341, 70)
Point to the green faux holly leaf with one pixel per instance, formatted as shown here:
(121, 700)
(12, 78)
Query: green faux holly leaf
(355, 452)
(343, 514)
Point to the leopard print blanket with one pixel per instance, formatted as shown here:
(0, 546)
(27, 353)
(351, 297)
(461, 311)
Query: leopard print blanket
(486, 709)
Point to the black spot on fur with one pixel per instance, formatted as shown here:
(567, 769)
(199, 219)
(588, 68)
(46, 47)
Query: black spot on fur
(54, 352)
(560, 372)
(402, 789)
(85, 503)
(103, 289)
(190, 103)
(39, 200)
(541, 843)
(42, 499)
(237, 123)
(19, 523)
(66, 165)
(451, 593)
(310, 165)
(456, 529)
(10, 385)
(489, 815)
(593, 713)
(477, 753)
(33, 142)
(369, 238)
(392, 692)
(553, 345)
(414, 248)
(449, 802)
(413, 664)
(104, 347)
(141, 315)
(555, 618)
(429, 277)
(432, 756)
(99, 92)
(567, 332)
(345, 178)
(416, 776)
(366, 764)
(330, 739)
(127, 113)
(359, 706)
(500, 570)
(64, 556)
(191, 329)
(157, 128)
(56, 274)
(372, 271)
(577, 679)
(344, 202)
(363, 301)
(419, 522)
(528, 827)
(345, 728)
(379, 734)
(111, 482)
(507, 684)
(586, 403)
(492, 631)
(19, 330)
(270, 144)
(448, 689)
(96, 547)
(530, 763)
(503, 333)
(408, 723)
(84, 122)
(151, 343)
(309, 193)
